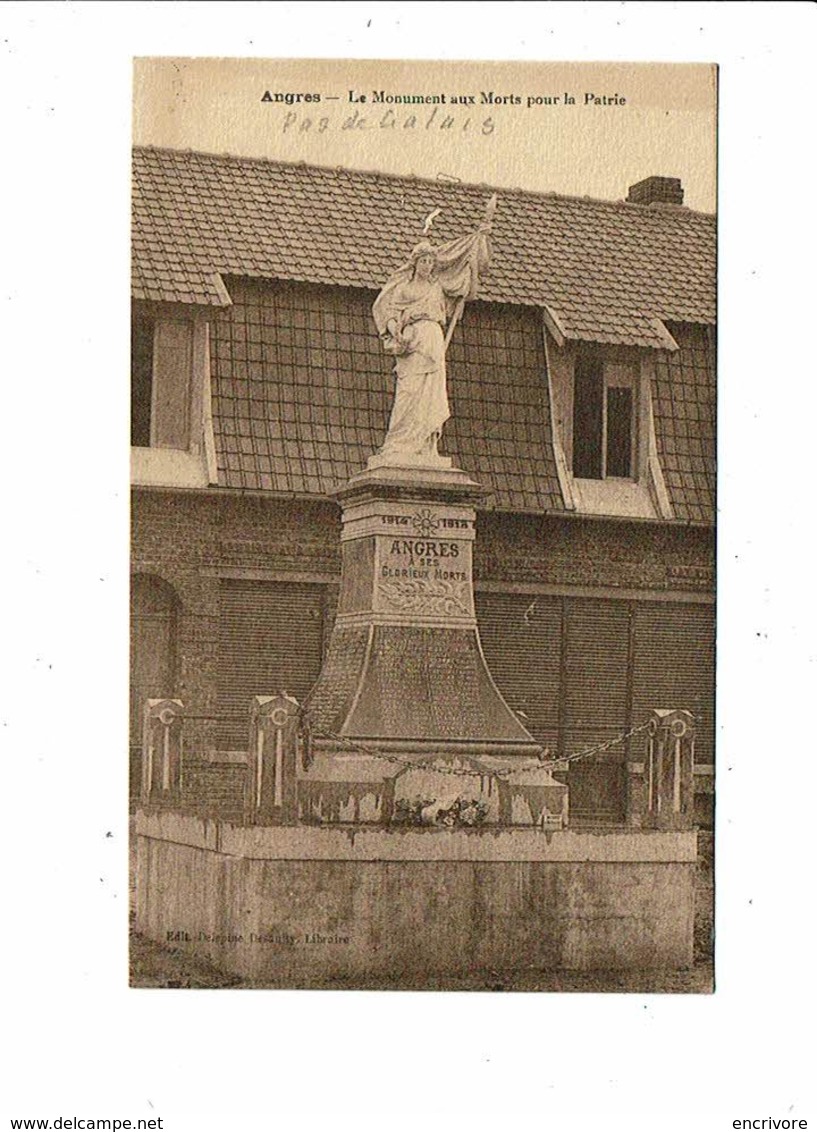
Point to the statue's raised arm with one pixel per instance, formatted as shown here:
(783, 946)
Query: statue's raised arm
(411, 313)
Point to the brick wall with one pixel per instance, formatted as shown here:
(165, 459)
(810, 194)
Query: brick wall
(214, 788)
(556, 551)
(177, 535)
(186, 538)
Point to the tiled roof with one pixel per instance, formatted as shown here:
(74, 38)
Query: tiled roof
(605, 271)
(684, 406)
(269, 436)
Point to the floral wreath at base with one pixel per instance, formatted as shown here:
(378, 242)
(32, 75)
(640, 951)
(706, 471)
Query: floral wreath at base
(468, 812)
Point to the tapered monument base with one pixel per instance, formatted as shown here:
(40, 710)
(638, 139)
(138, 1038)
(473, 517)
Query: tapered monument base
(405, 710)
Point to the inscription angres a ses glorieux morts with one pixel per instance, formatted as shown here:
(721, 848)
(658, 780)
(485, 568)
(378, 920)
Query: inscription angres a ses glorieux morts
(422, 575)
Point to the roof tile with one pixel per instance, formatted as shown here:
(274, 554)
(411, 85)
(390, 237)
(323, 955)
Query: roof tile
(687, 451)
(317, 440)
(609, 271)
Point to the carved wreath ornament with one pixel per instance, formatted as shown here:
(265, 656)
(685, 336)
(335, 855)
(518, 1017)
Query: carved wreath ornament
(424, 522)
(435, 597)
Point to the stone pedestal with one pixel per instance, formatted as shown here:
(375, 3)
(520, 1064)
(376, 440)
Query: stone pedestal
(288, 905)
(405, 675)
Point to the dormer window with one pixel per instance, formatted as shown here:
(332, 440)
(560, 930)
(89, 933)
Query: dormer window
(604, 419)
(171, 426)
(161, 381)
(603, 430)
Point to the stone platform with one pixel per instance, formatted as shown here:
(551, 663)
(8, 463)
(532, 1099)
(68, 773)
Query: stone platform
(302, 905)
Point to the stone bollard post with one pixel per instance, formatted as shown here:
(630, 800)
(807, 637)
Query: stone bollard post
(271, 795)
(636, 785)
(668, 770)
(162, 731)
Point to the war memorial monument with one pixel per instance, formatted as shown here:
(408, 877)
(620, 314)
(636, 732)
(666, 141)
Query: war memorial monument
(401, 822)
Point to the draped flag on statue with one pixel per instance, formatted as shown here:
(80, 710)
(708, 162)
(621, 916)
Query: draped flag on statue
(419, 301)
(458, 264)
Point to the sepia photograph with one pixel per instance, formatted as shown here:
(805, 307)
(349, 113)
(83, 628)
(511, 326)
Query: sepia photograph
(408, 598)
(423, 465)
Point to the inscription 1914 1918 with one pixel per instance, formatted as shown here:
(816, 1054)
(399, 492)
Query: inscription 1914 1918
(423, 520)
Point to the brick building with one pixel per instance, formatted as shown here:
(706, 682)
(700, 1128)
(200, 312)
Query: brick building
(582, 385)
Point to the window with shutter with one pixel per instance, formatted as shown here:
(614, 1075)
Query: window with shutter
(270, 640)
(153, 669)
(674, 665)
(596, 704)
(604, 419)
(520, 635)
(172, 441)
(585, 670)
(172, 380)
(141, 388)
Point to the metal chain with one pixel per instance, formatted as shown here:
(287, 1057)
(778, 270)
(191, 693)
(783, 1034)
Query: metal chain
(604, 746)
(498, 773)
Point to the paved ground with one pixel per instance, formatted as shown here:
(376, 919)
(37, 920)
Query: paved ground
(155, 966)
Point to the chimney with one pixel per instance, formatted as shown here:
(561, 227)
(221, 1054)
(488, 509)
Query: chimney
(657, 190)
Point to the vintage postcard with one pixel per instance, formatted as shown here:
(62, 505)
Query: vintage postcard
(423, 429)
(398, 722)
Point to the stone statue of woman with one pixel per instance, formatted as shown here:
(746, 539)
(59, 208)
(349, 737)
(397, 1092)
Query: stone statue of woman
(411, 313)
